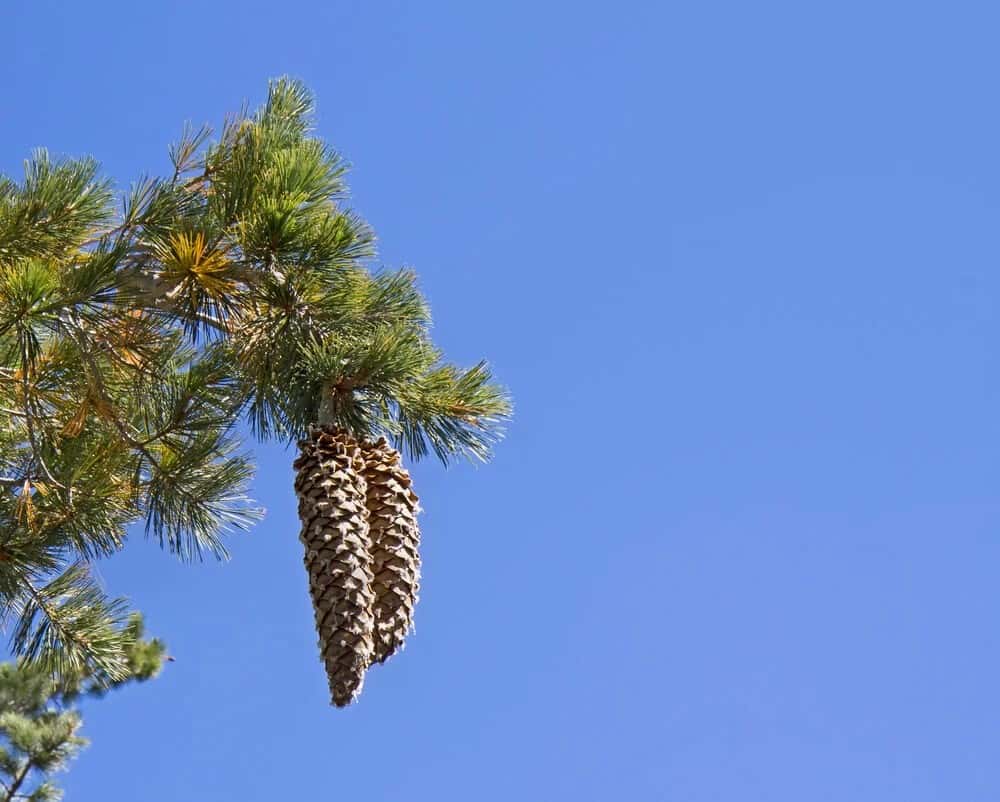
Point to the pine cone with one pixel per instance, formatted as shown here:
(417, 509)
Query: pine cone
(331, 489)
(392, 509)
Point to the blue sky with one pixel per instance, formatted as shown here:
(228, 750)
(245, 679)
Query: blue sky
(738, 264)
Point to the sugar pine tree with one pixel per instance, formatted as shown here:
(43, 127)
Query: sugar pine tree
(40, 724)
(133, 342)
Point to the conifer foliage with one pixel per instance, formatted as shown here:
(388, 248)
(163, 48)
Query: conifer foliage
(132, 343)
(40, 724)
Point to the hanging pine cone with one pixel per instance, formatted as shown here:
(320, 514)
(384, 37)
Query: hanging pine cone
(395, 537)
(331, 489)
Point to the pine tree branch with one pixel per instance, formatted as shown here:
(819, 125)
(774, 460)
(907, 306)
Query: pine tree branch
(246, 244)
(151, 292)
(21, 777)
(29, 425)
(50, 614)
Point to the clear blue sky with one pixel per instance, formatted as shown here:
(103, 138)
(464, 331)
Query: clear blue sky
(738, 263)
